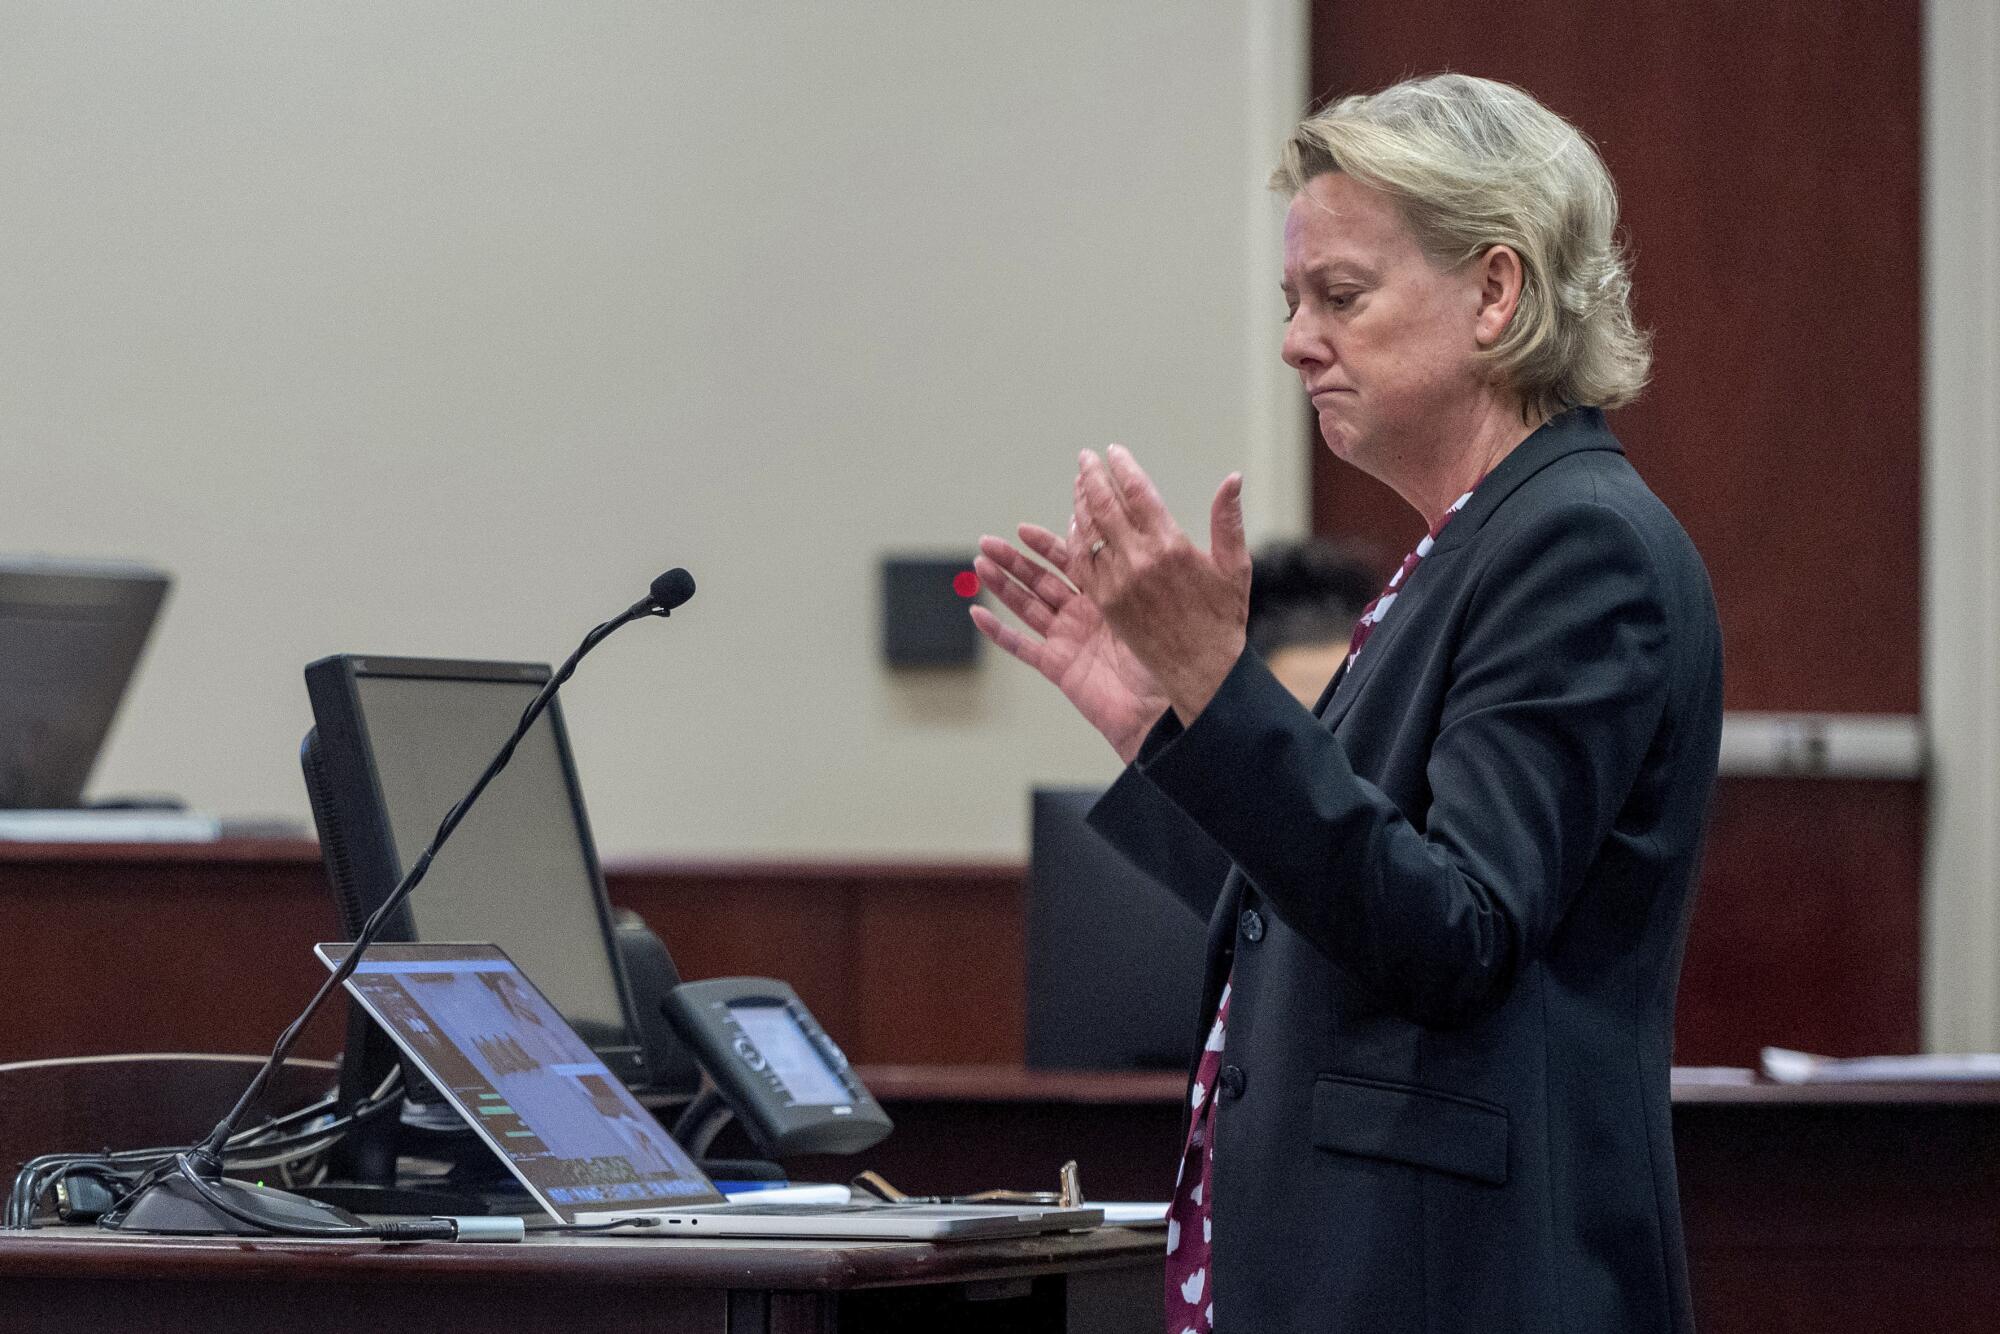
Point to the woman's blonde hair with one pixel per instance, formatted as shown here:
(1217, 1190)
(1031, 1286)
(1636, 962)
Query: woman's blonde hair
(1474, 164)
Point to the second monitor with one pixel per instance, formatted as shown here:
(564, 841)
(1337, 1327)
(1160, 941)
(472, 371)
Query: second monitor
(1114, 959)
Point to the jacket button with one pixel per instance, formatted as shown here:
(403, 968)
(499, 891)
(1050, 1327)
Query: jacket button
(1252, 925)
(1233, 1080)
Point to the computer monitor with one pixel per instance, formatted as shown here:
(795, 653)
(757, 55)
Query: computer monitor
(1114, 958)
(71, 632)
(395, 743)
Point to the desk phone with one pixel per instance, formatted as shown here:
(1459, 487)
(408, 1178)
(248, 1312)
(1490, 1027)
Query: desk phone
(776, 1066)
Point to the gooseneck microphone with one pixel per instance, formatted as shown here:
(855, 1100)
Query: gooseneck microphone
(188, 1192)
(670, 590)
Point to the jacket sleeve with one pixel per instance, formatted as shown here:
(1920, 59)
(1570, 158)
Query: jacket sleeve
(1558, 684)
(1157, 836)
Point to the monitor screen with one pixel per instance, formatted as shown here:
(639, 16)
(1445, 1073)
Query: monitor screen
(516, 872)
(396, 743)
(790, 1055)
(1115, 960)
(70, 634)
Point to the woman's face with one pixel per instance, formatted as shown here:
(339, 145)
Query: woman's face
(1383, 340)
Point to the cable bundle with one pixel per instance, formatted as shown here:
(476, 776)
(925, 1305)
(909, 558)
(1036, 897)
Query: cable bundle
(279, 1144)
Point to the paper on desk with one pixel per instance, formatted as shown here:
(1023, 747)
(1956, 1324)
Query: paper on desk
(1141, 1213)
(802, 1193)
(1797, 1067)
(108, 826)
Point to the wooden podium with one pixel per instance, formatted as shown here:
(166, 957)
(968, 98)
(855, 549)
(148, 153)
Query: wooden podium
(1108, 1281)
(68, 1278)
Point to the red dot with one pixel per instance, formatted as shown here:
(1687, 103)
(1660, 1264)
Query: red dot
(965, 583)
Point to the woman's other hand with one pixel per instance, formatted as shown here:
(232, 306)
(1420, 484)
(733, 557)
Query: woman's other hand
(1181, 612)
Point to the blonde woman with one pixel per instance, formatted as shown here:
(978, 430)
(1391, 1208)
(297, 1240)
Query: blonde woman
(1447, 905)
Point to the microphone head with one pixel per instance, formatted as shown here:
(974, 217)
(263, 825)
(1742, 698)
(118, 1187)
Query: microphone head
(672, 588)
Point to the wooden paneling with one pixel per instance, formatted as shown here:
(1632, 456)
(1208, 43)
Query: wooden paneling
(1807, 1209)
(900, 963)
(951, 964)
(97, 1102)
(1805, 934)
(1873, 1207)
(1807, 922)
(1768, 159)
(1808, 1218)
(790, 923)
(161, 948)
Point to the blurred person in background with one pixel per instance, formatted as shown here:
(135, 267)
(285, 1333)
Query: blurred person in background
(1304, 600)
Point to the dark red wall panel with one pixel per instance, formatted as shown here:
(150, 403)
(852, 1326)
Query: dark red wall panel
(1768, 157)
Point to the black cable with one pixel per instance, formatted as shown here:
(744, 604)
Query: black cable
(305, 1113)
(331, 1132)
(133, 1169)
(641, 1221)
(223, 1204)
(36, 1175)
(151, 1176)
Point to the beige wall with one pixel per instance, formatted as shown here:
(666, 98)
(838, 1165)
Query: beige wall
(1962, 523)
(441, 328)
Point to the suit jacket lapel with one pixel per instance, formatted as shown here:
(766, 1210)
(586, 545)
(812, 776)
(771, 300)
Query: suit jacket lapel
(1353, 676)
(1332, 687)
(1566, 433)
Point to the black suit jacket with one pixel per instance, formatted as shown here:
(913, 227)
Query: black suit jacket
(1454, 905)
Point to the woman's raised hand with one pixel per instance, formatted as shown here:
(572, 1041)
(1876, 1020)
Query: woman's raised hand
(1179, 611)
(1069, 643)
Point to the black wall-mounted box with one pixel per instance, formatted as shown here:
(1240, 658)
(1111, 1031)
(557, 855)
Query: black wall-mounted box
(926, 602)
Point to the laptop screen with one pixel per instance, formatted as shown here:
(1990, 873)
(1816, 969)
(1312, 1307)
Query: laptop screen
(523, 1079)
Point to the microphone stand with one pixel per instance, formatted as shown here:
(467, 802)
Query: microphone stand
(188, 1193)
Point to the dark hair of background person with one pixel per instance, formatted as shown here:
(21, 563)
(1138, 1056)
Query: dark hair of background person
(1306, 593)
(1304, 600)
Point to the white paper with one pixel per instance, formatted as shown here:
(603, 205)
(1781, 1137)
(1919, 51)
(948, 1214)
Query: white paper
(1797, 1067)
(114, 826)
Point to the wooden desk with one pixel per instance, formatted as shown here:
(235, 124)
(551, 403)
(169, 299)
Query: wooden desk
(1862, 1207)
(1808, 1208)
(68, 1279)
(88, 1279)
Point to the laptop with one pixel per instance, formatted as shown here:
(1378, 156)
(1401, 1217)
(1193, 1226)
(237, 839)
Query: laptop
(573, 1134)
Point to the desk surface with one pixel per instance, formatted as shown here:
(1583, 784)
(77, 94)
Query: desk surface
(1004, 1084)
(771, 1262)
